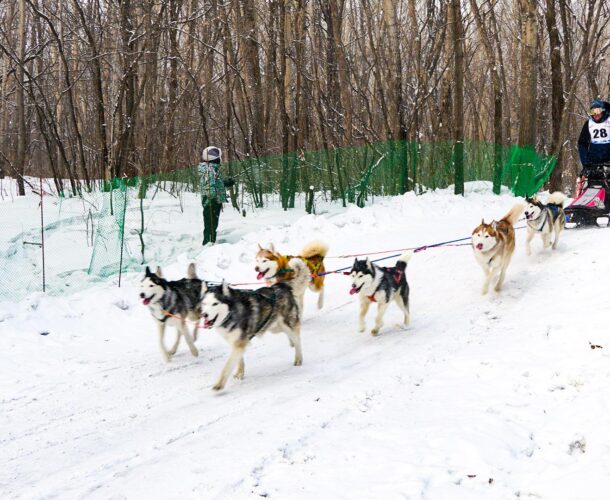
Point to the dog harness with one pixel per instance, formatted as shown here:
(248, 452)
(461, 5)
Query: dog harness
(397, 275)
(543, 218)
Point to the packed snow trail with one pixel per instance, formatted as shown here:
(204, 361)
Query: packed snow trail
(480, 397)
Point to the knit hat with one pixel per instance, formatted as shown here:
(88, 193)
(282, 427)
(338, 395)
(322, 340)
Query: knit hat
(211, 154)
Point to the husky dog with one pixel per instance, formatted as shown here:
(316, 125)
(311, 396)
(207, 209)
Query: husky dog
(172, 303)
(493, 246)
(380, 284)
(546, 219)
(272, 265)
(240, 315)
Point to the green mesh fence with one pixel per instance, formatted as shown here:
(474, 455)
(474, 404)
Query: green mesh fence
(117, 227)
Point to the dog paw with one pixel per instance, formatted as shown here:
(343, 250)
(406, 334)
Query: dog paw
(298, 362)
(361, 328)
(195, 352)
(375, 332)
(218, 387)
(239, 375)
(167, 357)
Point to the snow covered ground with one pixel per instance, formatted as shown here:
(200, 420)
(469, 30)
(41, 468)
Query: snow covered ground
(491, 397)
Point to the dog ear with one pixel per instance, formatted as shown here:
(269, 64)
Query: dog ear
(482, 222)
(259, 246)
(204, 289)
(148, 273)
(226, 290)
(158, 272)
(271, 247)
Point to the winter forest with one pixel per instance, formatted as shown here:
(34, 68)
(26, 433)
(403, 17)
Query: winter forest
(100, 89)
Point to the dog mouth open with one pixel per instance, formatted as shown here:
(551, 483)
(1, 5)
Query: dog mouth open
(209, 323)
(146, 300)
(261, 274)
(529, 215)
(355, 289)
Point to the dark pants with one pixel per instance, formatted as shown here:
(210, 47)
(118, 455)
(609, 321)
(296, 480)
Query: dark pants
(211, 214)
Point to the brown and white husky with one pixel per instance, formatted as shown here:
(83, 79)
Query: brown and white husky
(493, 246)
(273, 266)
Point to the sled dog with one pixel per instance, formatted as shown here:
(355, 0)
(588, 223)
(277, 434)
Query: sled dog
(382, 285)
(240, 315)
(547, 219)
(172, 303)
(493, 246)
(271, 265)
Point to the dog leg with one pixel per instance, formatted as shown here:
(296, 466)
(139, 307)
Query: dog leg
(404, 309)
(189, 341)
(241, 367)
(161, 327)
(558, 229)
(488, 274)
(364, 307)
(546, 240)
(236, 354)
(500, 282)
(295, 338)
(379, 319)
(530, 236)
(174, 348)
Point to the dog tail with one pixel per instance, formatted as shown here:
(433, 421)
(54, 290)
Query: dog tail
(556, 198)
(513, 215)
(401, 263)
(314, 249)
(300, 280)
(191, 272)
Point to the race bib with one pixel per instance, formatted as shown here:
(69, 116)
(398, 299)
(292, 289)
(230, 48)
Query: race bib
(600, 132)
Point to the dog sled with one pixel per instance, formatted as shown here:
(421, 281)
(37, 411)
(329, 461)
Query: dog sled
(592, 203)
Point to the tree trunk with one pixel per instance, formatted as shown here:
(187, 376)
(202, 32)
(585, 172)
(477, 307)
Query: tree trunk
(557, 98)
(20, 94)
(458, 110)
(528, 72)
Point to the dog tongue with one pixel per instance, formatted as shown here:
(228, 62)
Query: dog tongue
(146, 301)
(260, 275)
(353, 291)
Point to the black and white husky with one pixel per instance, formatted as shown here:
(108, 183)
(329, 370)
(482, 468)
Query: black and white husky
(547, 219)
(172, 303)
(381, 285)
(241, 315)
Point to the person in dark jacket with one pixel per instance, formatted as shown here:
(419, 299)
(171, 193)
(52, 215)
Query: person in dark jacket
(213, 193)
(594, 140)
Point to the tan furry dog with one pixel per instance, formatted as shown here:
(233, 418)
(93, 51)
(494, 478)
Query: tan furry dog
(271, 265)
(493, 246)
(547, 219)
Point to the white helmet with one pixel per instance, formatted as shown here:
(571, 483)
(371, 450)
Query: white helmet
(211, 153)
